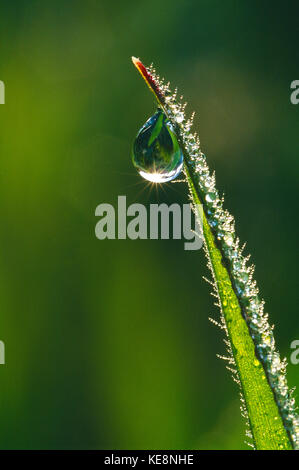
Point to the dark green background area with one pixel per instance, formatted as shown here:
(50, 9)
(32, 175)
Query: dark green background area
(108, 343)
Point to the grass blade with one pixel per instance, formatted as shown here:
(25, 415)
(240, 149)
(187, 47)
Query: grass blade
(266, 401)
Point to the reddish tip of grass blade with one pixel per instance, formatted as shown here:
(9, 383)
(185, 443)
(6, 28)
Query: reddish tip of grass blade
(149, 80)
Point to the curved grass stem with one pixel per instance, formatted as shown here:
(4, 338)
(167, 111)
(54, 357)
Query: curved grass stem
(266, 401)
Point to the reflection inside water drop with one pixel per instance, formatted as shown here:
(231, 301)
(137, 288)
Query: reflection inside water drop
(156, 151)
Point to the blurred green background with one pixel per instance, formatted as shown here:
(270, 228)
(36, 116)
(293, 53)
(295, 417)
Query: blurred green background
(108, 343)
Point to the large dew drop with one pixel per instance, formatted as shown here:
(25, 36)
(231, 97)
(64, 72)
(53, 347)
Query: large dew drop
(156, 151)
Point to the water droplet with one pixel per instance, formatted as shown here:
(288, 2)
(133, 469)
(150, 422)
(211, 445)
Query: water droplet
(210, 197)
(235, 254)
(156, 151)
(229, 239)
(213, 222)
(208, 182)
(243, 277)
(237, 265)
(179, 117)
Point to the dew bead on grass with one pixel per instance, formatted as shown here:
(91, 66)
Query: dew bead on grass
(156, 152)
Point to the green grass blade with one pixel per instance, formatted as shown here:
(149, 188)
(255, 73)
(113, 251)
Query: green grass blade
(266, 401)
(258, 406)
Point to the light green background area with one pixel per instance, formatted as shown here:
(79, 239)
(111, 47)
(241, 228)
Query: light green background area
(108, 343)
